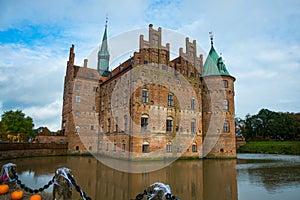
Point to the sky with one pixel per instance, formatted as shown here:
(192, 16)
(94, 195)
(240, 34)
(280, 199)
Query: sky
(259, 41)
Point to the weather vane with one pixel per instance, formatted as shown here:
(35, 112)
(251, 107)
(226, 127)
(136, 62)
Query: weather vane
(211, 37)
(106, 20)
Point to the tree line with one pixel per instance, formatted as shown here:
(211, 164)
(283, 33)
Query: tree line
(16, 123)
(269, 125)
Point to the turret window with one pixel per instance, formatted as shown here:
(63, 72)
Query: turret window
(170, 99)
(77, 99)
(226, 127)
(145, 96)
(225, 84)
(225, 105)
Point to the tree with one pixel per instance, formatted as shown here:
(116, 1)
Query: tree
(14, 122)
(270, 125)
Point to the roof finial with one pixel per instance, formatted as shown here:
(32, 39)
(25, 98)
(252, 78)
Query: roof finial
(106, 20)
(211, 38)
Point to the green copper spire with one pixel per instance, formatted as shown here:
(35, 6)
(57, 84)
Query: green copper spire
(214, 64)
(103, 55)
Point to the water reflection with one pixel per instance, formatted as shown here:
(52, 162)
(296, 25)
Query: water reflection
(268, 176)
(197, 179)
(263, 176)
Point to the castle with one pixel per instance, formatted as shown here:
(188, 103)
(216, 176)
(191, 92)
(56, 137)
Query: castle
(150, 107)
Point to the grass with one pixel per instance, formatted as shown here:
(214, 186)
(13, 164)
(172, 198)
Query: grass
(271, 147)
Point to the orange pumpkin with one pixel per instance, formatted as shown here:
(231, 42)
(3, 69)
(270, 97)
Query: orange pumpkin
(36, 197)
(17, 195)
(4, 189)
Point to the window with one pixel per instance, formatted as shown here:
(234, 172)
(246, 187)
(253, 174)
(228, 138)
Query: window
(123, 145)
(194, 147)
(144, 122)
(76, 113)
(117, 122)
(226, 127)
(145, 96)
(225, 105)
(77, 86)
(77, 129)
(193, 103)
(92, 127)
(117, 100)
(193, 126)
(145, 62)
(90, 148)
(225, 84)
(170, 99)
(125, 123)
(77, 148)
(125, 102)
(115, 145)
(108, 125)
(169, 125)
(169, 147)
(107, 144)
(143, 73)
(102, 105)
(77, 99)
(100, 145)
(94, 108)
(95, 89)
(145, 147)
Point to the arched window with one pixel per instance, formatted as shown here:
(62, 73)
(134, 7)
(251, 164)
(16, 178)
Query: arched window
(125, 123)
(123, 145)
(100, 145)
(125, 100)
(108, 125)
(145, 147)
(170, 99)
(115, 145)
(193, 103)
(169, 147)
(117, 100)
(77, 129)
(144, 122)
(169, 124)
(116, 123)
(193, 126)
(107, 145)
(194, 147)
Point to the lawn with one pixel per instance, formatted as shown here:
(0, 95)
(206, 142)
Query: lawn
(271, 147)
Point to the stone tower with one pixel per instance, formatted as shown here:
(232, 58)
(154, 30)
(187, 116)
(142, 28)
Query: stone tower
(103, 56)
(217, 107)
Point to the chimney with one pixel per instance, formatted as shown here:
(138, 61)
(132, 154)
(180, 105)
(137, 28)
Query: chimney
(85, 62)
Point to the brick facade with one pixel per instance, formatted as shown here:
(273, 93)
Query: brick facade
(149, 107)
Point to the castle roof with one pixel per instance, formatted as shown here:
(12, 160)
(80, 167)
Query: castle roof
(214, 64)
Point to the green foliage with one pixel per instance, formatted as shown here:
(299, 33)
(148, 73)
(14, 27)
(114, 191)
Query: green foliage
(269, 125)
(14, 122)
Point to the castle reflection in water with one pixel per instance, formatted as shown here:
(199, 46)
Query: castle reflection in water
(193, 179)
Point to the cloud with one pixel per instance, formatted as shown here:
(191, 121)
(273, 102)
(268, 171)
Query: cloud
(46, 115)
(258, 40)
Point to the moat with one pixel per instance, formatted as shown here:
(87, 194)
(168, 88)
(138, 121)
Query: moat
(248, 177)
